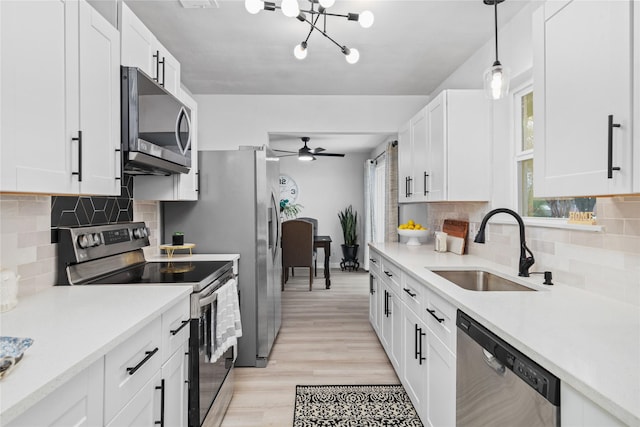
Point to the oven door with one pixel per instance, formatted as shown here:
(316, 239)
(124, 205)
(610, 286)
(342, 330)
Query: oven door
(208, 375)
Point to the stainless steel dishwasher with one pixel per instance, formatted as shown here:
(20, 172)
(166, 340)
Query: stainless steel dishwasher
(497, 385)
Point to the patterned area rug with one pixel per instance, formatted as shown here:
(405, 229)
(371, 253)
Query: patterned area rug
(353, 406)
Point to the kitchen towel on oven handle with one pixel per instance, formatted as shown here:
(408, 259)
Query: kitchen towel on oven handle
(228, 326)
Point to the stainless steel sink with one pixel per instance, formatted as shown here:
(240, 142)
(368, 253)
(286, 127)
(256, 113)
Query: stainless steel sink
(479, 280)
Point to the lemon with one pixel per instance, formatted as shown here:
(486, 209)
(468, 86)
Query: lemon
(410, 222)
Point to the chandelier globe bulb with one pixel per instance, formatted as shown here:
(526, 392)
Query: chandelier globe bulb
(253, 6)
(327, 3)
(290, 8)
(300, 51)
(352, 56)
(366, 19)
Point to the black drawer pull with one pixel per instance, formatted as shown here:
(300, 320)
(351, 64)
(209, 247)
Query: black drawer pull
(433, 313)
(182, 325)
(610, 167)
(373, 260)
(411, 294)
(148, 356)
(162, 389)
(388, 274)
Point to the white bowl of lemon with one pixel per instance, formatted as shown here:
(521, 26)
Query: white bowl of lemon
(413, 231)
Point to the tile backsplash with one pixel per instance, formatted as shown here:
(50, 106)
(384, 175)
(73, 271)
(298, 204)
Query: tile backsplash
(605, 262)
(25, 237)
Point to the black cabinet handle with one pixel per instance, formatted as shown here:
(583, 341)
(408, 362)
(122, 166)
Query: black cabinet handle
(425, 183)
(388, 274)
(371, 289)
(79, 139)
(406, 186)
(373, 260)
(198, 181)
(409, 193)
(148, 356)
(420, 335)
(433, 313)
(120, 161)
(182, 325)
(162, 62)
(411, 294)
(415, 341)
(386, 303)
(161, 388)
(610, 167)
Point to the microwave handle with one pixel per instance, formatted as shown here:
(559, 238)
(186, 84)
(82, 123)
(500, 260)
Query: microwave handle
(182, 115)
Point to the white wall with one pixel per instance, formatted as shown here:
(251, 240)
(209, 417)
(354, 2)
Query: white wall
(227, 121)
(327, 186)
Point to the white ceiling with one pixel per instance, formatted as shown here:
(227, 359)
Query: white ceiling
(410, 49)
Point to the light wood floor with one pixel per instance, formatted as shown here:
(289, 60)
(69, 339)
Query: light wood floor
(325, 338)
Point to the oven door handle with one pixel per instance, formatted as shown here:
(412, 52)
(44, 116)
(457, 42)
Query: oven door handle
(208, 299)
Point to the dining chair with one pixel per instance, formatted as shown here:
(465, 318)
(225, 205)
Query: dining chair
(297, 248)
(313, 221)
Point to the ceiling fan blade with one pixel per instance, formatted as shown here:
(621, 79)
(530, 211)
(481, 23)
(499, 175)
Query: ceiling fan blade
(287, 155)
(285, 151)
(329, 154)
(316, 150)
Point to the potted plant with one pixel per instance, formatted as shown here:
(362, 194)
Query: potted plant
(178, 238)
(349, 223)
(290, 210)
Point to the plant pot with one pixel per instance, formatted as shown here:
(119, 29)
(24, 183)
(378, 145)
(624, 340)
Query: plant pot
(349, 252)
(178, 239)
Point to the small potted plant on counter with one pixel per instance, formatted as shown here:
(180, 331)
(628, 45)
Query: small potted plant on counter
(178, 238)
(349, 223)
(289, 210)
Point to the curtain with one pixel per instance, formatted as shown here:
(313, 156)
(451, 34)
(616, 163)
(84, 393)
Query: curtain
(369, 204)
(391, 195)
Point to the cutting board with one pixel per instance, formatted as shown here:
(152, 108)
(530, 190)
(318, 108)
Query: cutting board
(457, 228)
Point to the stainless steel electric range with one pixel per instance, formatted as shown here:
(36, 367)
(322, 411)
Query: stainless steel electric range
(112, 254)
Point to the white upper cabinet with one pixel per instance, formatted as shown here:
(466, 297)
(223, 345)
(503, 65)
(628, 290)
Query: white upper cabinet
(140, 48)
(60, 124)
(583, 92)
(446, 156)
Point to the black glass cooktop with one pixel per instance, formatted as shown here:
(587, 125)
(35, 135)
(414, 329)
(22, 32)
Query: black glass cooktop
(193, 273)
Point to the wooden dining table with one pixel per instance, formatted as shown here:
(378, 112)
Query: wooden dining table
(325, 243)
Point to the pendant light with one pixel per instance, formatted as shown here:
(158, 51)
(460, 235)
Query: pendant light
(496, 77)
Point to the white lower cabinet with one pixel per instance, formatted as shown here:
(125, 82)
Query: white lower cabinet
(441, 384)
(142, 409)
(78, 402)
(175, 387)
(579, 411)
(414, 362)
(391, 325)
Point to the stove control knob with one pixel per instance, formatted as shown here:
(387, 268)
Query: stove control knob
(97, 239)
(137, 233)
(83, 242)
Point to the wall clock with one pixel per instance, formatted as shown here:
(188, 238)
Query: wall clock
(288, 189)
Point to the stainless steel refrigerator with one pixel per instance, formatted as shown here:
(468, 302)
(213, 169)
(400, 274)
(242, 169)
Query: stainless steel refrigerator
(238, 211)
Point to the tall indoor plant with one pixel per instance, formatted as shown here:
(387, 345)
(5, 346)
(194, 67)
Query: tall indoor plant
(349, 223)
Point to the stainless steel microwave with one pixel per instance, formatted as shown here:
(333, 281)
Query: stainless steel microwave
(156, 127)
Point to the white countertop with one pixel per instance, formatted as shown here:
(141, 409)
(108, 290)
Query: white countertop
(72, 327)
(588, 341)
(180, 257)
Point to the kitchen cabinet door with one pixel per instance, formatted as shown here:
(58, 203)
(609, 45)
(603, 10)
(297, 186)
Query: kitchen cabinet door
(78, 402)
(168, 69)
(420, 156)
(414, 361)
(137, 43)
(579, 411)
(574, 96)
(404, 163)
(176, 388)
(374, 305)
(436, 118)
(99, 96)
(441, 384)
(144, 408)
(37, 122)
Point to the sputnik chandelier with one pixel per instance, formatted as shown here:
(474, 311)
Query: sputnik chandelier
(318, 10)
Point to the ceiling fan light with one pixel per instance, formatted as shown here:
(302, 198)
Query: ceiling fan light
(300, 51)
(290, 8)
(366, 19)
(351, 55)
(496, 81)
(327, 3)
(306, 157)
(253, 6)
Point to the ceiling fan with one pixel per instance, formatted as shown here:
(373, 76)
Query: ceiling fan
(307, 154)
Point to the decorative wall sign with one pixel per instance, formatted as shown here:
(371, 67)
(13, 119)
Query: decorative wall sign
(584, 218)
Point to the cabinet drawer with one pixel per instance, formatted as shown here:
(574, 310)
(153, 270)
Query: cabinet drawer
(175, 328)
(391, 275)
(413, 294)
(130, 366)
(375, 262)
(440, 316)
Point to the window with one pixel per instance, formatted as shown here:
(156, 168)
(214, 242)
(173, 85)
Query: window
(529, 206)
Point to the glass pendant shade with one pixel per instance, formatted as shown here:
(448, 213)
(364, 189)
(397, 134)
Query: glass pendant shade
(300, 51)
(353, 56)
(290, 8)
(253, 6)
(496, 81)
(366, 19)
